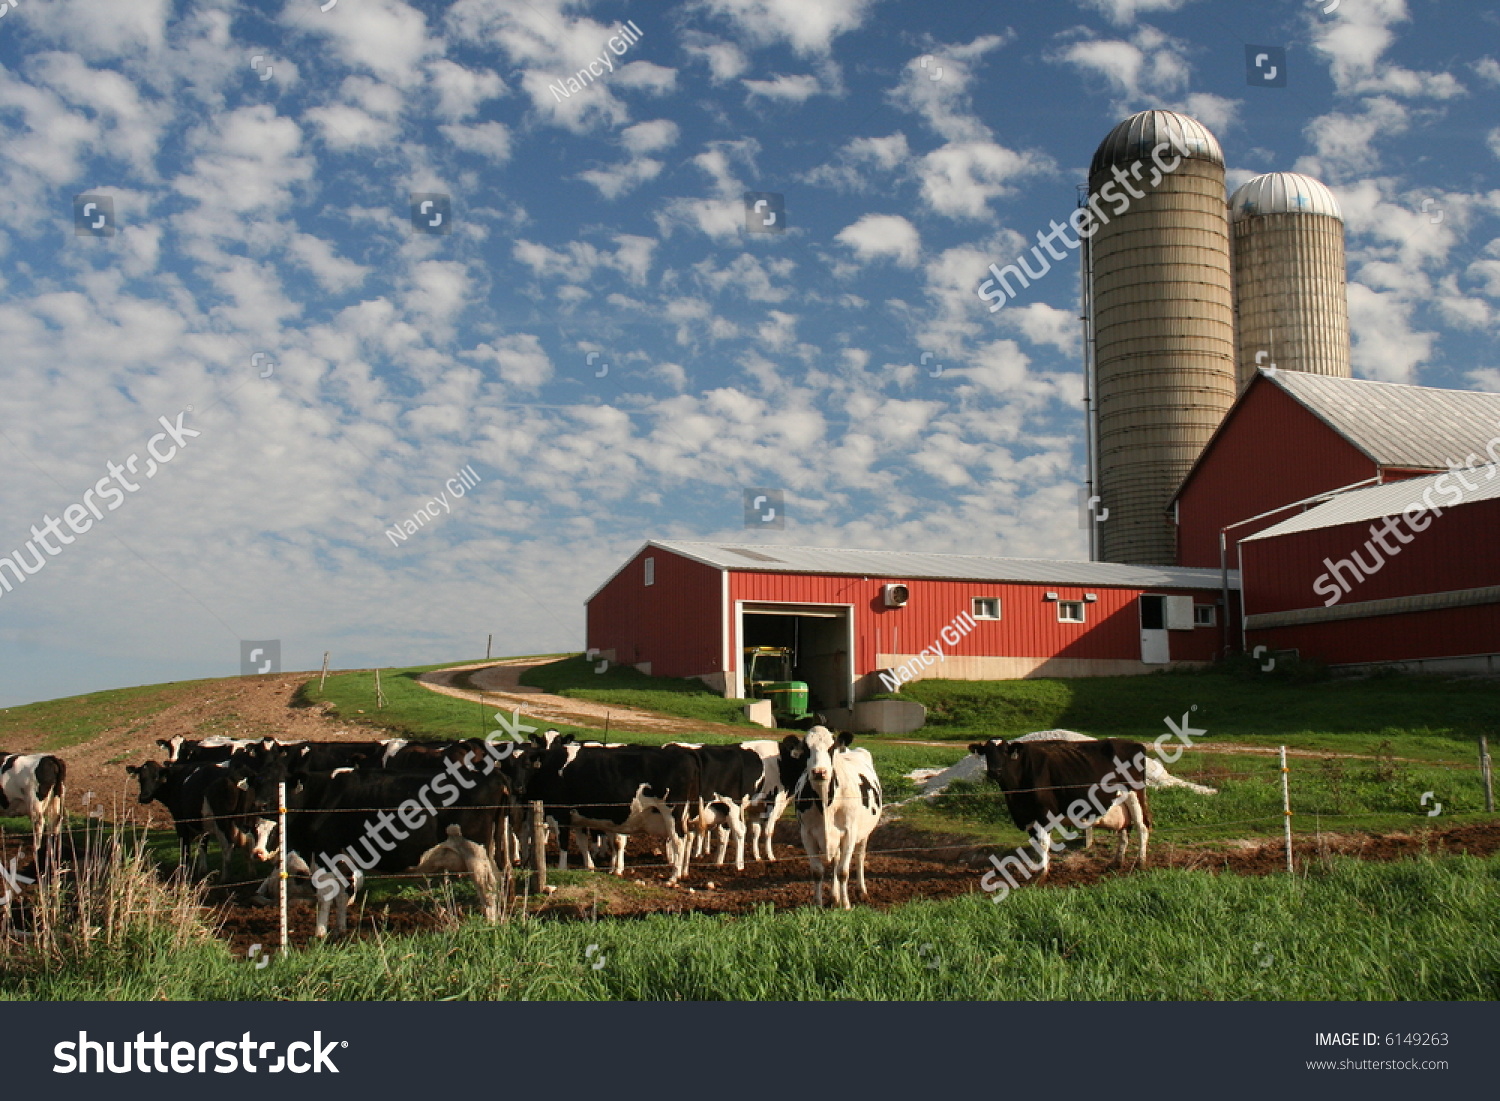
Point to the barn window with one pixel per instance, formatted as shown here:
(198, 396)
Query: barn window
(986, 607)
(651, 571)
(1205, 615)
(1070, 611)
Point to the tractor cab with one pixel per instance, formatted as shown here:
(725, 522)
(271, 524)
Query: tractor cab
(768, 676)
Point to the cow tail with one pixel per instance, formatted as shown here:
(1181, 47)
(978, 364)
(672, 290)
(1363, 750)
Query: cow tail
(53, 797)
(1146, 808)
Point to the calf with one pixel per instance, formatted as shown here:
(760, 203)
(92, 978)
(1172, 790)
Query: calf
(770, 800)
(1088, 784)
(729, 776)
(838, 801)
(34, 784)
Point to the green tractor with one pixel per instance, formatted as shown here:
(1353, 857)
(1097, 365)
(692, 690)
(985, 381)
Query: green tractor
(768, 676)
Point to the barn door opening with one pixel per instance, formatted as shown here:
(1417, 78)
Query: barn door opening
(1155, 649)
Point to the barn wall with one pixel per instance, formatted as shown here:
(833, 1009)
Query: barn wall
(1027, 629)
(1271, 452)
(1453, 553)
(673, 627)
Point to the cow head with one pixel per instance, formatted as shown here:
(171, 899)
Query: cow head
(821, 744)
(150, 776)
(1002, 759)
(173, 746)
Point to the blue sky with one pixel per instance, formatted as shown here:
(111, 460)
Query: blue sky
(598, 335)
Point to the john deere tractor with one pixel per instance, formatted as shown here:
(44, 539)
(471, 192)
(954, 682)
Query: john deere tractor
(768, 676)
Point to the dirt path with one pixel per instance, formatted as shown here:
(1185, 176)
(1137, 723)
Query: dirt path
(500, 683)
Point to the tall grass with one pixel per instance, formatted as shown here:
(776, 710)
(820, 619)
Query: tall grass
(1341, 929)
(99, 903)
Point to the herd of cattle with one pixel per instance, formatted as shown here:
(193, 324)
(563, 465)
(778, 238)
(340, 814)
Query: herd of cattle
(371, 807)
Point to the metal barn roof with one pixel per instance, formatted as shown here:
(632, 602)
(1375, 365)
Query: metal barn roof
(904, 565)
(1400, 426)
(1378, 502)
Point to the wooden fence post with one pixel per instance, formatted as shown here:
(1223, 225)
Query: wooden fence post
(324, 677)
(1486, 773)
(281, 861)
(488, 643)
(1286, 808)
(379, 692)
(539, 844)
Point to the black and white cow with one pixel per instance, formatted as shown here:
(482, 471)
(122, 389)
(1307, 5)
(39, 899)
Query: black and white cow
(839, 803)
(390, 822)
(620, 790)
(34, 784)
(206, 799)
(1098, 784)
(770, 800)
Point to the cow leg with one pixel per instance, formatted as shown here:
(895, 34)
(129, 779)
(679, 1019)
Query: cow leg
(581, 839)
(1121, 844)
(814, 849)
(864, 892)
(737, 830)
(617, 861)
(844, 852)
(1138, 820)
(1088, 837)
(1043, 844)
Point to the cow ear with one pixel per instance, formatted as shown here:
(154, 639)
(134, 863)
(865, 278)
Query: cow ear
(846, 738)
(134, 770)
(976, 748)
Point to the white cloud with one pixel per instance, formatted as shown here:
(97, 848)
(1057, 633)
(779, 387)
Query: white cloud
(725, 60)
(960, 179)
(808, 26)
(332, 271)
(848, 170)
(1355, 36)
(460, 91)
(784, 88)
(490, 140)
(387, 37)
(882, 235)
(1125, 11)
(1386, 347)
(519, 358)
(646, 76)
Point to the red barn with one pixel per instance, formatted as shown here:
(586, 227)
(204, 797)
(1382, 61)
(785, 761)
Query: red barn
(1293, 435)
(684, 609)
(1402, 573)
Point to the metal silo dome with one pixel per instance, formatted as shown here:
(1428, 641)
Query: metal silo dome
(1135, 137)
(1282, 193)
(1290, 287)
(1159, 310)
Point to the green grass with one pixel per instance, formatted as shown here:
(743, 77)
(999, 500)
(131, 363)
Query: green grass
(57, 724)
(620, 685)
(1228, 704)
(1343, 930)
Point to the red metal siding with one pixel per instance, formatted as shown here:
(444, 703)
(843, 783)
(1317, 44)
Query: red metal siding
(1451, 632)
(1451, 553)
(1271, 451)
(675, 624)
(1027, 627)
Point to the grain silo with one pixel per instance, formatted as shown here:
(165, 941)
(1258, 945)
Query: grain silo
(1290, 291)
(1160, 317)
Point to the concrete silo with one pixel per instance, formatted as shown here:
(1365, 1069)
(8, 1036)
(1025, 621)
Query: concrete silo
(1160, 317)
(1290, 290)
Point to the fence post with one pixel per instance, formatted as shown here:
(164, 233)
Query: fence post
(507, 879)
(379, 693)
(281, 859)
(539, 844)
(1286, 808)
(1487, 774)
(488, 642)
(324, 677)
